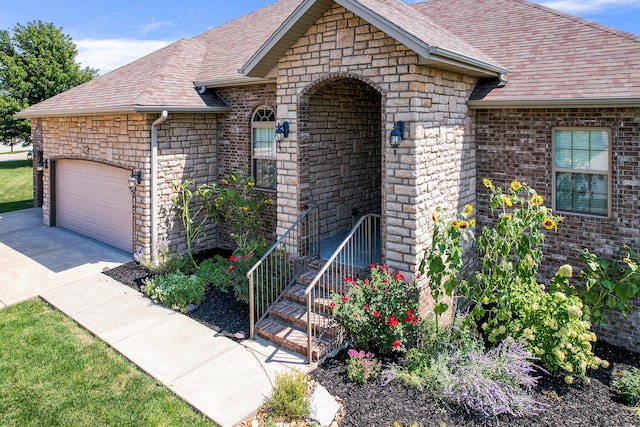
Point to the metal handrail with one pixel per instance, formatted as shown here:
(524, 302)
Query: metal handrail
(281, 264)
(357, 246)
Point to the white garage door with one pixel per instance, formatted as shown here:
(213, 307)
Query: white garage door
(93, 199)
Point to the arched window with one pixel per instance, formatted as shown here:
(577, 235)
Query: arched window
(263, 152)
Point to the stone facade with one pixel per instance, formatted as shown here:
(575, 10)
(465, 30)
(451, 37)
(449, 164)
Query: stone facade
(517, 144)
(435, 163)
(187, 150)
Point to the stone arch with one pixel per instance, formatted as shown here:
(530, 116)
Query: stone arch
(340, 136)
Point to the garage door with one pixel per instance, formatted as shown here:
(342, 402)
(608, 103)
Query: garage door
(93, 199)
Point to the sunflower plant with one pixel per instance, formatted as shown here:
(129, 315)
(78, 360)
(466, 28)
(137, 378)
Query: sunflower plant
(508, 301)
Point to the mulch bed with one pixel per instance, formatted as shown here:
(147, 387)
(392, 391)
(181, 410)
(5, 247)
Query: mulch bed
(585, 403)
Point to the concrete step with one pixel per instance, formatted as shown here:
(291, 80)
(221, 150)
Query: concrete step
(289, 337)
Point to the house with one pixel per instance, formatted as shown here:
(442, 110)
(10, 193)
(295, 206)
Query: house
(503, 89)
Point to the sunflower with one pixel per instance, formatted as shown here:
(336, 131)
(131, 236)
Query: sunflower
(455, 224)
(467, 211)
(515, 185)
(536, 200)
(507, 217)
(507, 201)
(472, 223)
(463, 225)
(548, 223)
(434, 217)
(487, 183)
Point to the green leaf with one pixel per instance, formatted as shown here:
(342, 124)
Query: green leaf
(440, 308)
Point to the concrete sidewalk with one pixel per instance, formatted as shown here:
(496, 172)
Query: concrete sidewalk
(225, 380)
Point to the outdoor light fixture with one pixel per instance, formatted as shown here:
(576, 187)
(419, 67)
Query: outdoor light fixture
(30, 155)
(396, 136)
(282, 132)
(134, 179)
(41, 166)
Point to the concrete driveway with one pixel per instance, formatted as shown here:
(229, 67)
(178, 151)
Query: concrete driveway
(35, 258)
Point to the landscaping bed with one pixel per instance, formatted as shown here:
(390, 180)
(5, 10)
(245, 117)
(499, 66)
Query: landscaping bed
(375, 403)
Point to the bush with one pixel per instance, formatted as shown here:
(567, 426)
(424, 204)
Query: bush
(214, 272)
(289, 397)
(489, 384)
(175, 290)
(362, 367)
(379, 314)
(627, 385)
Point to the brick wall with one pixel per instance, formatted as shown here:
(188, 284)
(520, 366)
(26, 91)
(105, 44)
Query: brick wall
(516, 144)
(343, 161)
(234, 142)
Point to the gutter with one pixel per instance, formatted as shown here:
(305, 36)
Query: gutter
(154, 187)
(130, 109)
(242, 81)
(555, 103)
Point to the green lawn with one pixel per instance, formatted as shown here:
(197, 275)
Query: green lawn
(54, 373)
(16, 185)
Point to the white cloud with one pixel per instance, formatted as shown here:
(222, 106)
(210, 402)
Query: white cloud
(154, 26)
(109, 54)
(587, 6)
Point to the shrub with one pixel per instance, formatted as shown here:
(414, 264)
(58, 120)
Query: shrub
(627, 384)
(608, 285)
(214, 272)
(361, 366)
(489, 384)
(289, 397)
(379, 314)
(175, 290)
(494, 383)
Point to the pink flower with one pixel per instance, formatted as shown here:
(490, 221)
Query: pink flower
(249, 255)
(345, 299)
(373, 287)
(366, 281)
(355, 316)
(231, 267)
(396, 343)
(332, 304)
(418, 276)
(371, 266)
(233, 259)
(392, 322)
(376, 314)
(366, 307)
(386, 291)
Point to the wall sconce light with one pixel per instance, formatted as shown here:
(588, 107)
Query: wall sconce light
(134, 179)
(41, 166)
(282, 132)
(396, 136)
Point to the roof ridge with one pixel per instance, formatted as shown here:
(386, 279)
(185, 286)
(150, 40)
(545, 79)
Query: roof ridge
(614, 31)
(583, 21)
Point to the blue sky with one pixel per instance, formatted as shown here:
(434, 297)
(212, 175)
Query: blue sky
(111, 33)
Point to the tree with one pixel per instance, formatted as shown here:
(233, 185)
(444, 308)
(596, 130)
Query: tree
(37, 61)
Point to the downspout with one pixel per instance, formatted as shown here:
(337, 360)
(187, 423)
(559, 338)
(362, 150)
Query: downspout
(154, 186)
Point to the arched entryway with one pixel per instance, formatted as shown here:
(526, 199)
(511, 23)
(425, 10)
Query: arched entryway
(341, 152)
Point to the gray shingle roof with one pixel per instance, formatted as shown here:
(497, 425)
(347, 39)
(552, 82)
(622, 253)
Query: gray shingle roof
(551, 56)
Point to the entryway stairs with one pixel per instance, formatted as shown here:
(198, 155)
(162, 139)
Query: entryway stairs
(286, 324)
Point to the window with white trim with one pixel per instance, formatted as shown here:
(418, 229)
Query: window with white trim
(581, 170)
(263, 151)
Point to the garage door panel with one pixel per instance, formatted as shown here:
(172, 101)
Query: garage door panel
(93, 199)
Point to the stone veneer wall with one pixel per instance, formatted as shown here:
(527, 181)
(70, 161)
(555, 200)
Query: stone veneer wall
(516, 144)
(234, 142)
(187, 149)
(435, 162)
